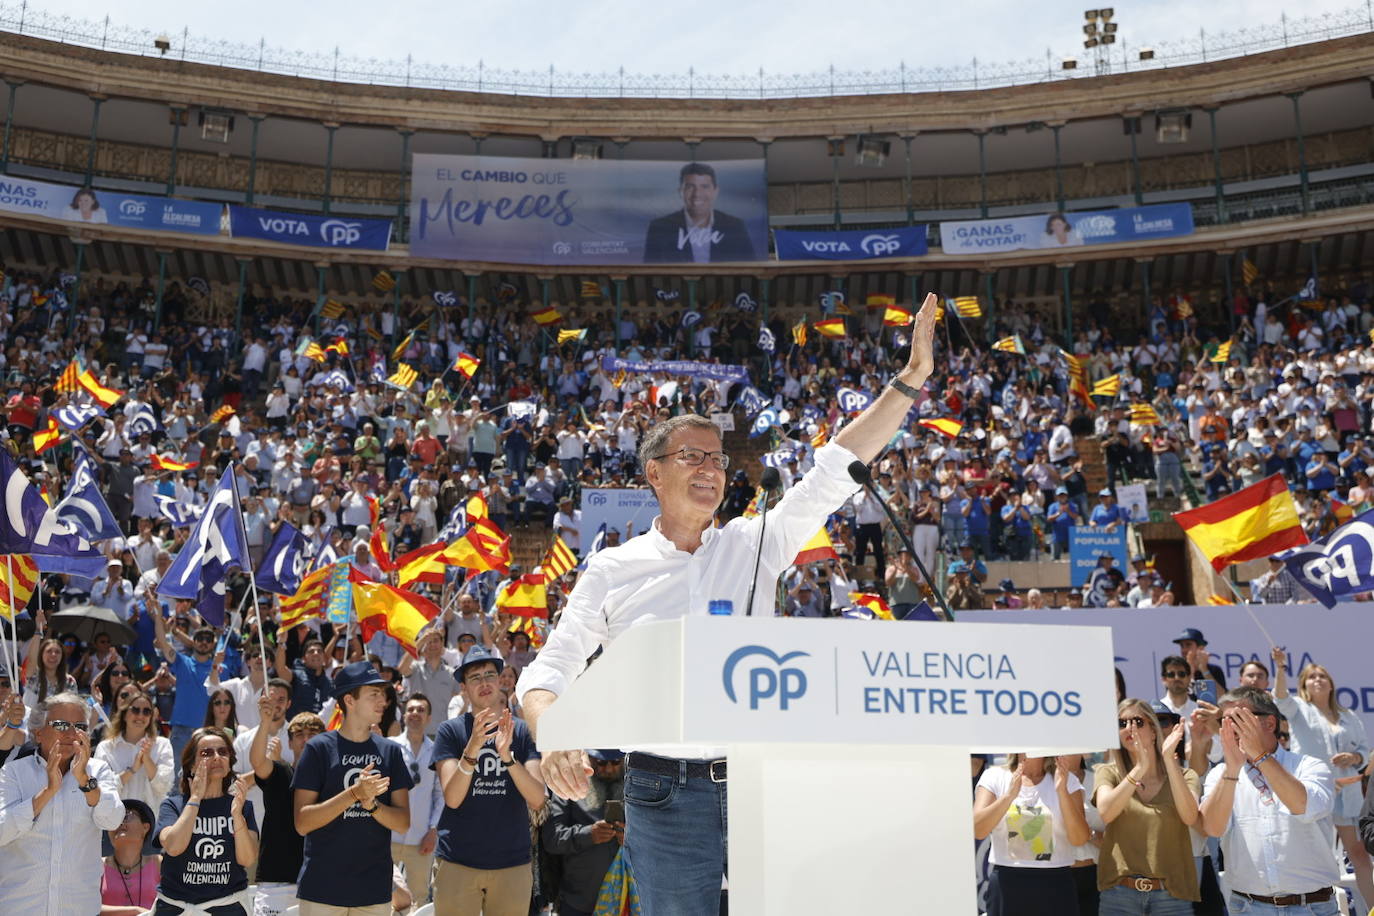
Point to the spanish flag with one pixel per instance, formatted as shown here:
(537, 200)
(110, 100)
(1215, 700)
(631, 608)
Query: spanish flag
(1342, 511)
(1217, 599)
(18, 579)
(106, 396)
(466, 365)
(339, 346)
(1223, 353)
(818, 548)
(384, 608)
(1256, 522)
(482, 547)
(425, 564)
(1143, 415)
(894, 316)
(47, 437)
(946, 426)
(532, 630)
(967, 307)
(570, 334)
(547, 315)
(559, 560)
(222, 414)
(527, 596)
(830, 327)
(619, 378)
(168, 464)
(799, 333)
(1108, 387)
(404, 376)
(476, 508)
(876, 299)
(1011, 344)
(874, 603)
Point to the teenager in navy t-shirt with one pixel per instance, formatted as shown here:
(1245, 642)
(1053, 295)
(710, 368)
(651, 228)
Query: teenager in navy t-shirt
(351, 789)
(207, 832)
(484, 832)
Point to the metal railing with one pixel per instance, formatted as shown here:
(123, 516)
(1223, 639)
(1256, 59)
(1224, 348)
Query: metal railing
(23, 19)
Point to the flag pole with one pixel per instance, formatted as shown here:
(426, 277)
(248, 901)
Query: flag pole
(14, 624)
(1240, 599)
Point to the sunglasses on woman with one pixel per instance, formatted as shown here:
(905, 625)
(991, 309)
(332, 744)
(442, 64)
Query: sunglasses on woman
(208, 752)
(1137, 721)
(140, 710)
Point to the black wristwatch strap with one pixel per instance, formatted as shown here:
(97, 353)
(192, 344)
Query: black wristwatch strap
(89, 786)
(904, 388)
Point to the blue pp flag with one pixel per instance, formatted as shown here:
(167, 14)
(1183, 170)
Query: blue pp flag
(853, 401)
(751, 399)
(922, 611)
(215, 544)
(75, 416)
(83, 505)
(1340, 564)
(178, 513)
(284, 563)
(766, 420)
(29, 525)
(767, 342)
(142, 420)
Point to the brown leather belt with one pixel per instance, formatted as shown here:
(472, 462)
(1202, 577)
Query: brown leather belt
(1320, 896)
(1144, 885)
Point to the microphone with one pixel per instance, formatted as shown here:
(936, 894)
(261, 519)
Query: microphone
(860, 474)
(770, 480)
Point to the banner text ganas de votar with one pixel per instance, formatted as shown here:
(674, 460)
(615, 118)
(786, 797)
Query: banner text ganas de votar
(894, 695)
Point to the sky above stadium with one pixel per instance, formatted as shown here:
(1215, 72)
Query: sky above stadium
(713, 36)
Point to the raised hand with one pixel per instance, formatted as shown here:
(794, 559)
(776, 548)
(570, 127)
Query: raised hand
(200, 780)
(484, 725)
(505, 731)
(81, 755)
(239, 790)
(1279, 656)
(370, 784)
(566, 773)
(922, 359)
(1172, 740)
(54, 769)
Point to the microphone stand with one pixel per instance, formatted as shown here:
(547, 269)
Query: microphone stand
(866, 478)
(758, 554)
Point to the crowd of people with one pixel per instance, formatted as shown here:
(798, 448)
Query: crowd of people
(298, 761)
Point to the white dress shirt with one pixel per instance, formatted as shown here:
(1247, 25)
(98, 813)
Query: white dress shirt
(1270, 851)
(426, 796)
(243, 743)
(245, 701)
(52, 864)
(649, 578)
(120, 754)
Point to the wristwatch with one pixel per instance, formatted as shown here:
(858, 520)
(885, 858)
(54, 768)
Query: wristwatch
(904, 388)
(89, 785)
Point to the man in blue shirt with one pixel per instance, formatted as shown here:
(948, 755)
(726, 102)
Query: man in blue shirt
(482, 760)
(1107, 514)
(1062, 516)
(1321, 472)
(191, 672)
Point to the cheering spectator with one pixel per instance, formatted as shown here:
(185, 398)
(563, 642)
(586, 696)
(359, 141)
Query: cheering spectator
(351, 790)
(414, 849)
(207, 833)
(133, 749)
(431, 676)
(310, 685)
(283, 848)
(53, 805)
(191, 672)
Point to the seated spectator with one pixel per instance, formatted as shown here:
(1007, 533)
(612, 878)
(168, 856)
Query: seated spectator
(128, 885)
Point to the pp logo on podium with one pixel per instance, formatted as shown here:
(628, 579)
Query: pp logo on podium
(770, 679)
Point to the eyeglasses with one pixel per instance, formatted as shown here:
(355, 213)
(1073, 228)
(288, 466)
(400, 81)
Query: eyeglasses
(61, 726)
(208, 752)
(1283, 736)
(140, 711)
(482, 678)
(1137, 721)
(119, 671)
(693, 457)
(1171, 675)
(222, 703)
(415, 772)
(131, 817)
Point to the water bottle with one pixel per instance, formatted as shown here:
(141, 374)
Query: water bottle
(721, 607)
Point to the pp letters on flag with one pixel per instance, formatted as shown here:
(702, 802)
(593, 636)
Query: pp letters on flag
(1339, 565)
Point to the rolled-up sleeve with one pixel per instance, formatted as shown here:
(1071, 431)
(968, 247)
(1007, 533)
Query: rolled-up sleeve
(1317, 779)
(806, 506)
(581, 629)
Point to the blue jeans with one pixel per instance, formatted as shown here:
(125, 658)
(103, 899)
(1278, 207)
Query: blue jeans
(1125, 901)
(1240, 906)
(181, 734)
(675, 842)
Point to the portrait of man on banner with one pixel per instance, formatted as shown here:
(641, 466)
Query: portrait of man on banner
(698, 233)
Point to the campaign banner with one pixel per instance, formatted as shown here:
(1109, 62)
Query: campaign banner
(1086, 544)
(594, 211)
(310, 229)
(94, 207)
(1142, 637)
(715, 371)
(850, 245)
(1066, 230)
(624, 509)
(1132, 498)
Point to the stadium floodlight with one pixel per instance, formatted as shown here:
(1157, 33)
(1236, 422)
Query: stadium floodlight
(871, 151)
(1106, 12)
(1090, 43)
(162, 43)
(1090, 15)
(1109, 39)
(1146, 54)
(1109, 27)
(1068, 63)
(1172, 125)
(1090, 29)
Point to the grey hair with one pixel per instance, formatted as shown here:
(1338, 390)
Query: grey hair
(1259, 700)
(66, 698)
(656, 439)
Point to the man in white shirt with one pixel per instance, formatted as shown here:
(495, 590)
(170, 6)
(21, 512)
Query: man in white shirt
(1272, 810)
(676, 840)
(414, 849)
(270, 710)
(53, 807)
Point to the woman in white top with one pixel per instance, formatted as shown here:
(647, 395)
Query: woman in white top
(1033, 809)
(1325, 729)
(135, 751)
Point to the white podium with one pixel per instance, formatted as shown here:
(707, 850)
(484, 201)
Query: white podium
(848, 741)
